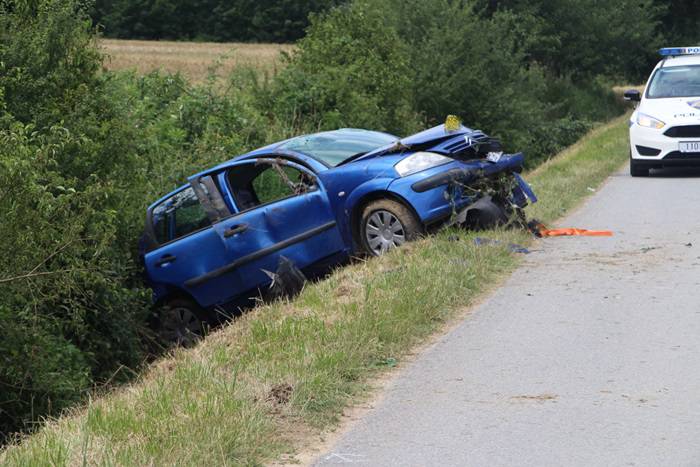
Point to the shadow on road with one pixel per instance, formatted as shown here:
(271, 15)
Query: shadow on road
(676, 172)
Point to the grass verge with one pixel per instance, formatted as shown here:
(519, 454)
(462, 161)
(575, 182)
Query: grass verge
(256, 388)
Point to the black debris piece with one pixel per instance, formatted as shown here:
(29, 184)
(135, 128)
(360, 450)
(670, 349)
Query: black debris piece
(534, 226)
(287, 281)
(512, 247)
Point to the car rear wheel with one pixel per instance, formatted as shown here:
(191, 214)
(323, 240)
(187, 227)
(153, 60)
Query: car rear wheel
(385, 225)
(181, 323)
(637, 169)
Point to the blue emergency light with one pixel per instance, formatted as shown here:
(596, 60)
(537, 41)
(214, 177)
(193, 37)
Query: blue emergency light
(675, 51)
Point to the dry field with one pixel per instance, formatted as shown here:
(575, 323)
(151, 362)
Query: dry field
(192, 59)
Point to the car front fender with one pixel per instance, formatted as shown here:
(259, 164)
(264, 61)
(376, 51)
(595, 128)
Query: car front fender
(362, 192)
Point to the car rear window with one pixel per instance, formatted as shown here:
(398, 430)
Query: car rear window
(179, 215)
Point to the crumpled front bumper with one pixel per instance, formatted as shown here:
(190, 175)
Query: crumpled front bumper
(467, 172)
(431, 192)
(524, 192)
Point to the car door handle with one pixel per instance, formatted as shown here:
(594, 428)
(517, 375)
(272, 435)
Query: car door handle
(165, 259)
(235, 229)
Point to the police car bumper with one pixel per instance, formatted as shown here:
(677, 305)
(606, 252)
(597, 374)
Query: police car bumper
(651, 147)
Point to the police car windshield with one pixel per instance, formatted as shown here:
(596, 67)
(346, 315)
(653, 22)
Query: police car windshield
(333, 147)
(675, 81)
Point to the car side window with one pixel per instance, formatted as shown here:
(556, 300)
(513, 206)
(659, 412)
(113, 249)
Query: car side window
(256, 184)
(179, 215)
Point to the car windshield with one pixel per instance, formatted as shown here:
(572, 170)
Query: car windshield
(675, 81)
(334, 147)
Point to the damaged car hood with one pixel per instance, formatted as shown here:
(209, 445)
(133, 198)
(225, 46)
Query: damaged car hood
(439, 140)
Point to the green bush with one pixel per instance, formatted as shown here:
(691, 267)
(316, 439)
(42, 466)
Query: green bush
(388, 64)
(82, 154)
(351, 70)
(40, 372)
(465, 65)
(68, 178)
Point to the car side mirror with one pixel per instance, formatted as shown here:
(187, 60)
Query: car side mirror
(633, 95)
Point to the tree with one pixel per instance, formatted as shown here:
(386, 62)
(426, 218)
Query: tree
(587, 38)
(679, 22)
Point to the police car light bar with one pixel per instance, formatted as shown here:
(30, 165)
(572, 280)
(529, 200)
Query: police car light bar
(674, 51)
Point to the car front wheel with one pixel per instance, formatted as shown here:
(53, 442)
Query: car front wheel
(637, 169)
(385, 225)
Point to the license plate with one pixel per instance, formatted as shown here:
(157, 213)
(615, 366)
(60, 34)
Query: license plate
(494, 156)
(689, 146)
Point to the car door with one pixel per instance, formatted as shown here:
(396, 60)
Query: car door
(187, 245)
(281, 210)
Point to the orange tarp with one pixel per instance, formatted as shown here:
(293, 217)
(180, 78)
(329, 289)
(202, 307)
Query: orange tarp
(584, 232)
(542, 231)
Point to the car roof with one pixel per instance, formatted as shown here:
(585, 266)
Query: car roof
(272, 148)
(680, 60)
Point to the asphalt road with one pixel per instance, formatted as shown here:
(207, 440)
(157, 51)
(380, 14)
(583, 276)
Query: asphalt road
(589, 355)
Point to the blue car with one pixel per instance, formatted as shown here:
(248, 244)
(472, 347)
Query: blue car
(313, 200)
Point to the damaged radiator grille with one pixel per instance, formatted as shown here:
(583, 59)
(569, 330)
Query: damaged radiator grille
(472, 146)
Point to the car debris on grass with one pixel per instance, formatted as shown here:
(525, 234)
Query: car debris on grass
(512, 247)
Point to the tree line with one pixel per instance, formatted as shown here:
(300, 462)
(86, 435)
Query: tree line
(207, 20)
(286, 20)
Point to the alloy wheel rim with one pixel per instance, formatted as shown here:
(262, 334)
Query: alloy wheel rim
(384, 231)
(181, 327)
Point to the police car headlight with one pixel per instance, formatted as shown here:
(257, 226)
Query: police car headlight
(420, 161)
(649, 121)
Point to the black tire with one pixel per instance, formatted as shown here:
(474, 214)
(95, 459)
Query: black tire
(181, 322)
(489, 216)
(386, 224)
(637, 169)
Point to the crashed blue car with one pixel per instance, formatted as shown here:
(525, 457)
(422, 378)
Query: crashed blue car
(314, 200)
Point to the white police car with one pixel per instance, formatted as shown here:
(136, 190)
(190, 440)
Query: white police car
(665, 126)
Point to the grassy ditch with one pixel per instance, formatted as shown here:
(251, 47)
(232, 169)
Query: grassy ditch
(256, 389)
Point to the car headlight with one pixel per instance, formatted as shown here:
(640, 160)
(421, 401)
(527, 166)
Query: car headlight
(420, 161)
(649, 121)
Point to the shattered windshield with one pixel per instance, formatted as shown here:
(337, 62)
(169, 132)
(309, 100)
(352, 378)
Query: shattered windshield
(676, 81)
(334, 147)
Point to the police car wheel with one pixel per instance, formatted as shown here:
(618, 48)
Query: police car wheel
(637, 169)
